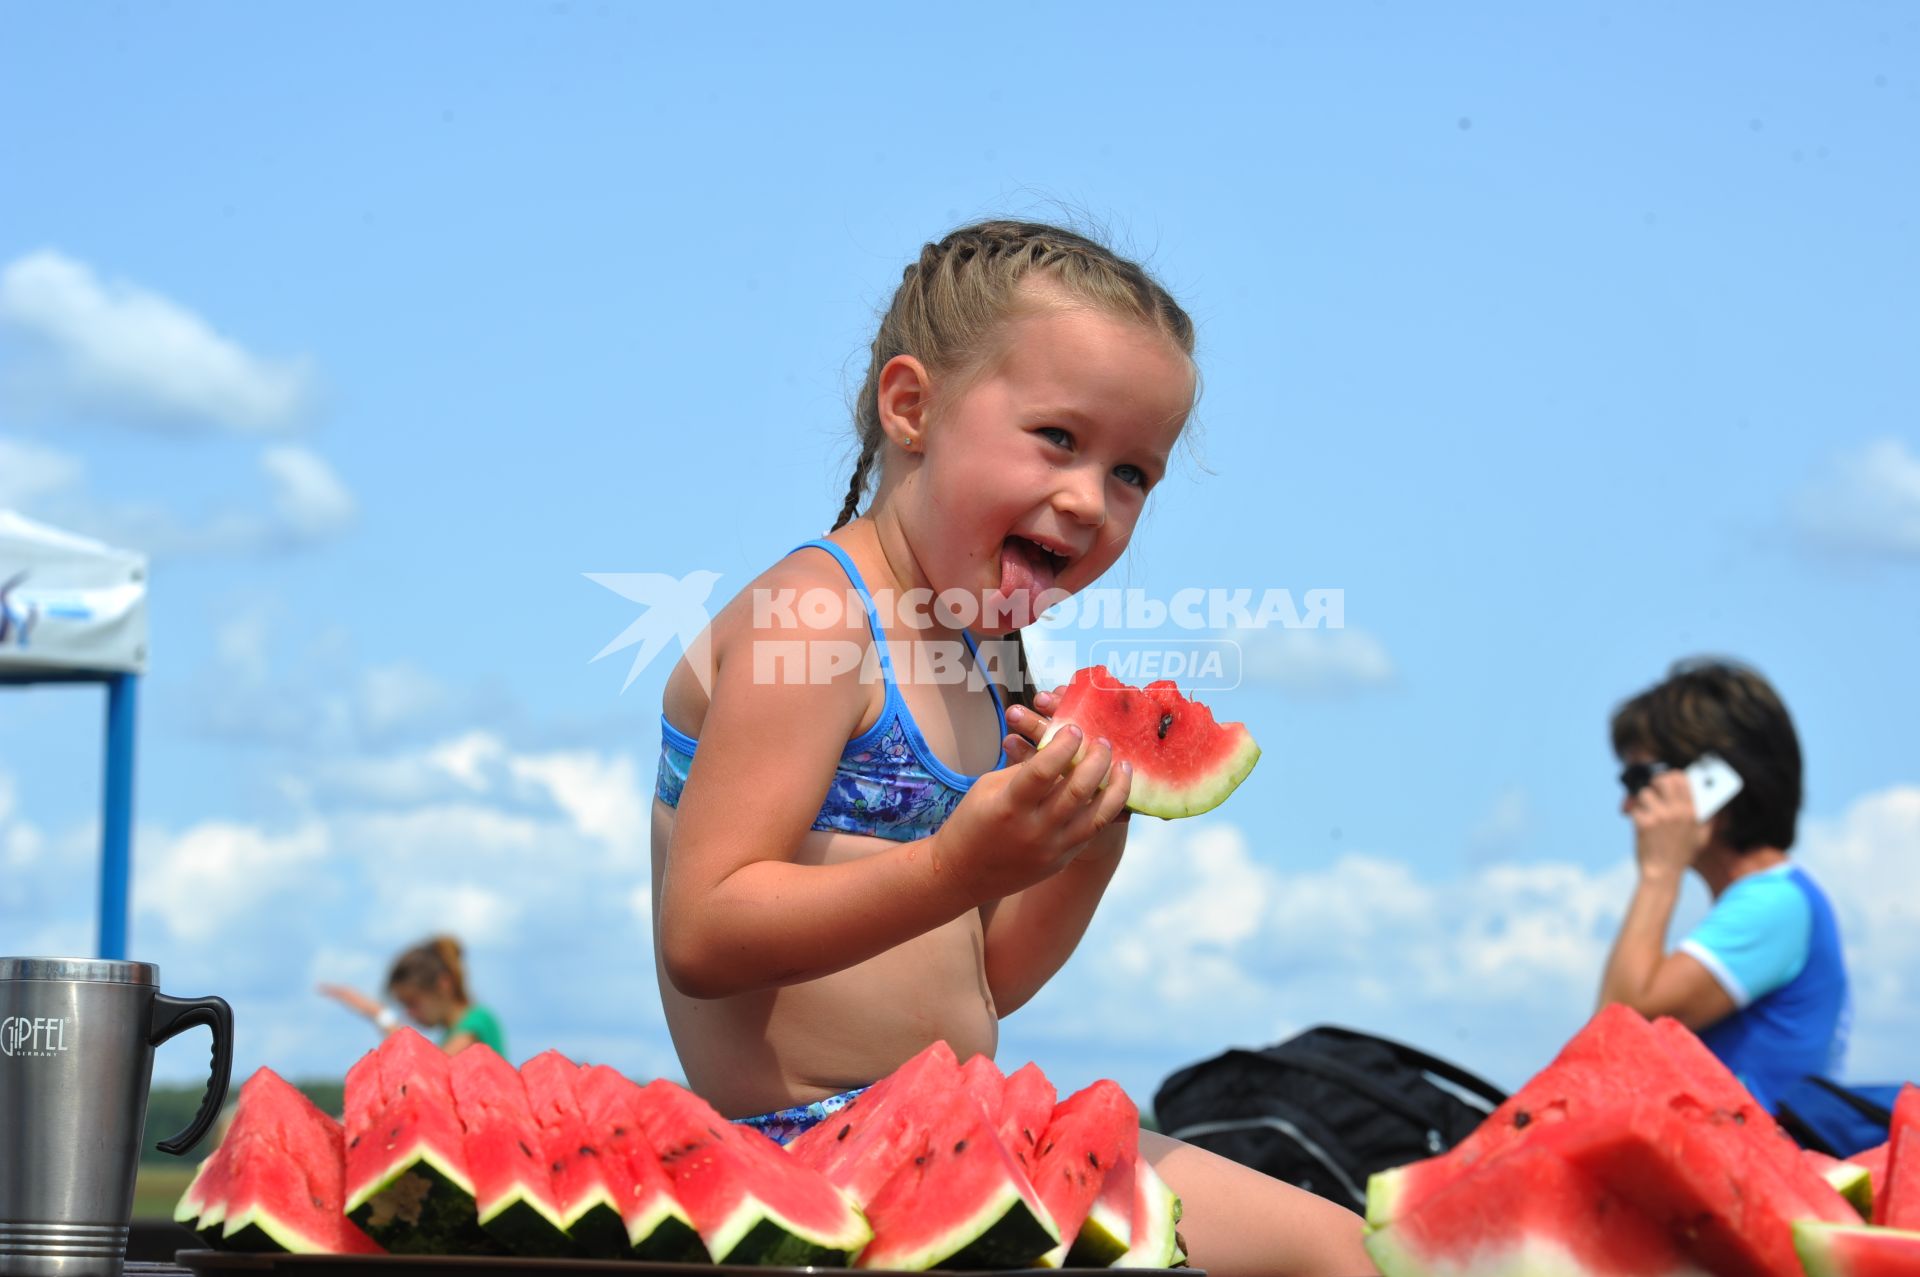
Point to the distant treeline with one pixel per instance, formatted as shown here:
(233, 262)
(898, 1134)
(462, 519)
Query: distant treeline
(171, 1108)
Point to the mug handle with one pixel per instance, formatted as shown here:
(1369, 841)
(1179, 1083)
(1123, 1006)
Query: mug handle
(175, 1015)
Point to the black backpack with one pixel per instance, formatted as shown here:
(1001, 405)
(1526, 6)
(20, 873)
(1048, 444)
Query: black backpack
(1326, 1109)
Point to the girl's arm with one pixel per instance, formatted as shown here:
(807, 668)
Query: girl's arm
(738, 912)
(1030, 936)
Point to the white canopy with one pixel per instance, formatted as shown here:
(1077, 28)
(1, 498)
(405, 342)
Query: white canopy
(68, 603)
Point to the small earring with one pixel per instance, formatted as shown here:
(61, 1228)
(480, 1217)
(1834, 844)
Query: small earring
(908, 443)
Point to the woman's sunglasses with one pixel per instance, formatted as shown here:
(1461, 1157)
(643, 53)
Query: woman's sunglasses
(1637, 776)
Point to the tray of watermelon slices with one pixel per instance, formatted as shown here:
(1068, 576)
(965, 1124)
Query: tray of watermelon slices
(562, 1167)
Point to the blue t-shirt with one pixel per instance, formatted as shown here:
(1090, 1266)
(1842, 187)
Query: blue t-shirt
(1772, 944)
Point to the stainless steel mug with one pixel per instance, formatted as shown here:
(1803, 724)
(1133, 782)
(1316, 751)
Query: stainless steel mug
(76, 1055)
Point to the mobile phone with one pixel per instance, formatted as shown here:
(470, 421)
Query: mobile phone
(1713, 783)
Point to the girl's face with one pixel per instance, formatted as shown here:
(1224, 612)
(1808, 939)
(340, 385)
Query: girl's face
(432, 1007)
(1036, 471)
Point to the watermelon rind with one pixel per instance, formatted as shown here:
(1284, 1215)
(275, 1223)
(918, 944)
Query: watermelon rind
(1156, 1216)
(1172, 802)
(1107, 1232)
(1002, 1232)
(1855, 1183)
(419, 1205)
(1529, 1256)
(756, 1233)
(1854, 1250)
(1383, 1196)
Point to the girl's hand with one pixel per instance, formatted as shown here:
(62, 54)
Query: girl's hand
(1026, 821)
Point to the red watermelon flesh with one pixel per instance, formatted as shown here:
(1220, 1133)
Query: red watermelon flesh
(858, 1148)
(657, 1226)
(1902, 1200)
(1837, 1250)
(1525, 1213)
(1184, 763)
(750, 1201)
(1154, 1227)
(1026, 1106)
(983, 1078)
(1083, 1141)
(588, 1198)
(512, 1186)
(407, 1180)
(1617, 1059)
(1729, 1201)
(1107, 1232)
(275, 1183)
(1903, 1161)
(205, 1198)
(957, 1199)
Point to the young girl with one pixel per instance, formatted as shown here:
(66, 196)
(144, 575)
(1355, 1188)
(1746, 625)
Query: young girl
(855, 857)
(430, 982)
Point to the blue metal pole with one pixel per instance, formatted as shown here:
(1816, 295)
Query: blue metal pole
(116, 817)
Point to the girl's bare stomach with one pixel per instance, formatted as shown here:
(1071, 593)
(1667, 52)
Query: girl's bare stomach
(758, 1052)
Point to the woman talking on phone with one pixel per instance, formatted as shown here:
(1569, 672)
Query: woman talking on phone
(1712, 775)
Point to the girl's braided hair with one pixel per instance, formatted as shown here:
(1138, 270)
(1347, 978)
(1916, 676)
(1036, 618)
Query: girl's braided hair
(953, 299)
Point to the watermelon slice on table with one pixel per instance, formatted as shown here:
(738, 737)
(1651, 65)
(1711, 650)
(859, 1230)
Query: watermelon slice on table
(956, 1199)
(1524, 1213)
(1085, 1138)
(512, 1185)
(586, 1194)
(275, 1182)
(1843, 1250)
(1901, 1187)
(750, 1201)
(1107, 1232)
(1184, 763)
(1156, 1221)
(407, 1182)
(657, 1226)
(1026, 1106)
(858, 1148)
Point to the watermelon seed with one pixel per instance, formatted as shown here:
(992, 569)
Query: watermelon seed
(1093, 1161)
(1521, 1119)
(1739, 1119)
(1166, 721)
(961, 1147)
(587, 1150)
(843, 1132)
(354, 1142)
(524, 1148)
(558, 1167)
(920, 1160)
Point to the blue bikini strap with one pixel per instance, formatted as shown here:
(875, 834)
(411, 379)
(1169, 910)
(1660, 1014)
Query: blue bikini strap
(866, 601)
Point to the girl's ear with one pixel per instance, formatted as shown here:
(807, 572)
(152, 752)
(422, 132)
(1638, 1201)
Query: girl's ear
(904, 396)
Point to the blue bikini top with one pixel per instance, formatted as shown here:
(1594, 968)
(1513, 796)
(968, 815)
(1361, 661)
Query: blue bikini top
(888, 783)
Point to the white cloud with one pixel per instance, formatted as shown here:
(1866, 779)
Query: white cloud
(1314, 662)
(200, 881)
(121, 347)
(30, 472)
(1867, 501)
(309, 498)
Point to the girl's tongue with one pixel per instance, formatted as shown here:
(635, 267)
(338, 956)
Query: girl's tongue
(1026, 572)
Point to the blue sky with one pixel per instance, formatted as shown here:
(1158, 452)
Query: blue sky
(1565, 342)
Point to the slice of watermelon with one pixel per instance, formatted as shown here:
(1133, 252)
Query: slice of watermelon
(275, 1183)
(1184, 763)
(750, 1201)
(588, 1199)
(1026, 1106)
(957, 1199)
(657, 1225)
(1085, 1138)
(1156, 1221)
(983, 1078)
(859, 1148)
(1874, 1162)
(512, 1185)
(1523, 1214)
(1107, 1232)
(407, 1182)
(1901, 1186)
(1854, 1250)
